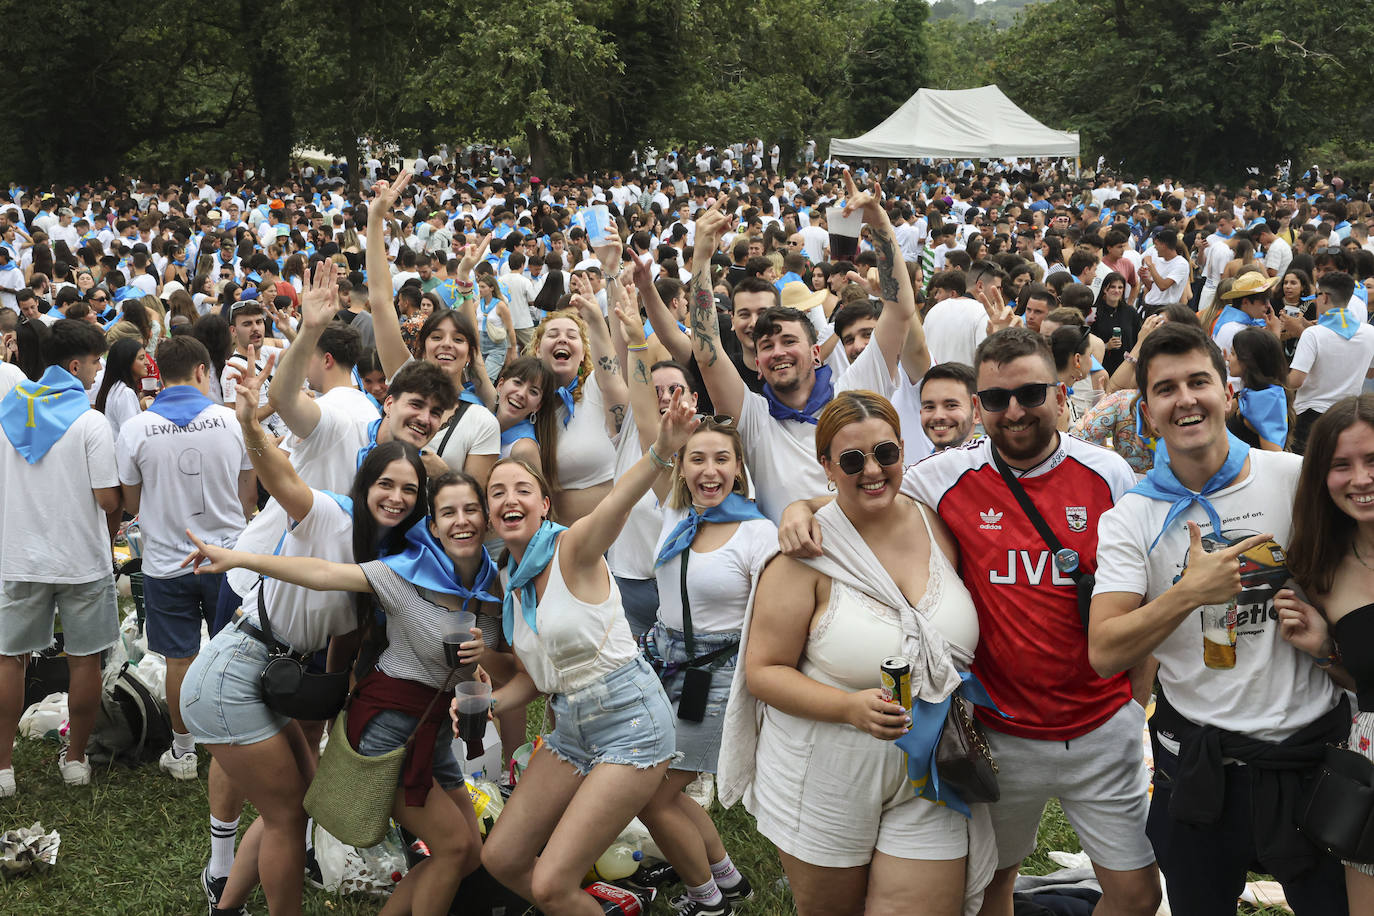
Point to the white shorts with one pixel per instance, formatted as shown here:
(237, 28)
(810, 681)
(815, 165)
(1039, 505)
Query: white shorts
(1100, 780)
(830, 795)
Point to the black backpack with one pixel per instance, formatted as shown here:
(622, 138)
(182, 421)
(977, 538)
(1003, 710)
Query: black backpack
(132, 725)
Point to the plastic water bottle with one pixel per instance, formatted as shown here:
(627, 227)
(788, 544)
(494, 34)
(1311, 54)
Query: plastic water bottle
(620, 861)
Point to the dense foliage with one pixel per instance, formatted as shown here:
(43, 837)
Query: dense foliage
(158, 88)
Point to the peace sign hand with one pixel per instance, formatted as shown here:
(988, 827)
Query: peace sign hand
(629, 321)
(1214, 577)
(248, 387)
(385, 195)
(1000, 315)
(710, 225)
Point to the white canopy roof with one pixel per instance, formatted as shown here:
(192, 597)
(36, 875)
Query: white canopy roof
(977, 123)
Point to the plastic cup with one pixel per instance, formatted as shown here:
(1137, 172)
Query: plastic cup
(598, 224)
(457, 630)
(844, 231)
(474, 703)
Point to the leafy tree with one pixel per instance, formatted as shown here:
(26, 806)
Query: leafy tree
(961, 54)
(892, 64)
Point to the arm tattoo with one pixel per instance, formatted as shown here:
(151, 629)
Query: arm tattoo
(886, 252)
(704, 329)
(618, 416)
(641, 371)
(609, 364)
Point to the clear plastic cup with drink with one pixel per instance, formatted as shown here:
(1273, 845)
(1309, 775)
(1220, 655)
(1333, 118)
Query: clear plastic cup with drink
(1219, 635)
(457, 630)
(474, 702)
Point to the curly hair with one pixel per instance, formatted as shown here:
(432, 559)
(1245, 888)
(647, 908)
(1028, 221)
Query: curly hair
(585, 368)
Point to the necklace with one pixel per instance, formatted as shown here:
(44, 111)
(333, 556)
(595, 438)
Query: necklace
(1354, 546)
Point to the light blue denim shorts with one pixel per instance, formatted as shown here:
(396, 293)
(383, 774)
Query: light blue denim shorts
(698, 743)
(623, 718)
(221, 696)
(391, 728)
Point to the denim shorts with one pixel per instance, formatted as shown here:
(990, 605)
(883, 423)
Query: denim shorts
(176, 609)
(391, 728)
(623, 718)
(89, 613)
(698, 743)
(221, 698)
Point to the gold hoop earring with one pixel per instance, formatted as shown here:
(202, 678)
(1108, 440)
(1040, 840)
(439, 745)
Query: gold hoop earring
(830, 485)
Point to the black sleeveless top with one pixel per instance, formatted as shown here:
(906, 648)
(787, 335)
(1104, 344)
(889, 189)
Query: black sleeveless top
(1354, 635)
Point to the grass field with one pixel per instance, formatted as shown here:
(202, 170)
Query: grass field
(134, 841)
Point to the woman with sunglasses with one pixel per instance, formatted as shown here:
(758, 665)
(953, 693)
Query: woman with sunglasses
(712, 545)
(885, 586)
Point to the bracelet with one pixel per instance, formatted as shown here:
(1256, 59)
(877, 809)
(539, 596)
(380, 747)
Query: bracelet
(657, 459)
(1130, 359)
(636, 349)
(1334, 658)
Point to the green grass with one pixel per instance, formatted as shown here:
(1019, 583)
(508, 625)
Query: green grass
(135, 840)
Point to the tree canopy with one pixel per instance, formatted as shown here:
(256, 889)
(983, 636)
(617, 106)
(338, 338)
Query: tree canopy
(158, 88)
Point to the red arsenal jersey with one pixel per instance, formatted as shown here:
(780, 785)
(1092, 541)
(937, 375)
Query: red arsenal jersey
(1032, 649)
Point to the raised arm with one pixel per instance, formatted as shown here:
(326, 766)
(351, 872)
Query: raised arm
(677, 343)
(272, 465)
(319, 302)
(386, 324)
(607, 367)
(590, 536)
(643, 398)
(722, 379)
(307, 572)
(899, 300)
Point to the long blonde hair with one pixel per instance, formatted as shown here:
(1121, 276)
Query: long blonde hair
(585, 368)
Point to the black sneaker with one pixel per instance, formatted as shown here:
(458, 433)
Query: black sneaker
(214, 889)
(686, 906)
(313, 876)
(741, 891)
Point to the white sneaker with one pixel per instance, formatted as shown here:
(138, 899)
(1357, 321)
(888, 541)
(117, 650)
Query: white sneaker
(183, 767)
(74, 772)
(7, 786)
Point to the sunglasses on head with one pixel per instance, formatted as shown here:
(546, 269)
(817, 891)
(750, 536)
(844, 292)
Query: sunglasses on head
(996, 400)
(852, 461)
(721, 420)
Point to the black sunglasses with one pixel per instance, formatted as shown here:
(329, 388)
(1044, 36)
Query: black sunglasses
(852, 461)
(996, 400)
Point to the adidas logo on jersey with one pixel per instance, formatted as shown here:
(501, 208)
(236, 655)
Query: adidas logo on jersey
(990, 517)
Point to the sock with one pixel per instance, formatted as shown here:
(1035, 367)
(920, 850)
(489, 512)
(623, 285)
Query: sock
(706, 893)
(725, 873)
(182, 744)
(309, 834)
(222, 837)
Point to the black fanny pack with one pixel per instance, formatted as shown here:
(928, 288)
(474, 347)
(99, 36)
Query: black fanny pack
(288, 687)
(1337, 806)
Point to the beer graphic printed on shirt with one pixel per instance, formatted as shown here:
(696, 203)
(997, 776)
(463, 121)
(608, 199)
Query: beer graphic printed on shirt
(1263, 570)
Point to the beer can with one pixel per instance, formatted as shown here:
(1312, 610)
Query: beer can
(895, 675)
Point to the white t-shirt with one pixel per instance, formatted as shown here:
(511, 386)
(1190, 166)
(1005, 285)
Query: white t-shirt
(327, 459)
(954, 329)
(718, 582)
(906, 400)
(586, 455)
(233, 370)
(519, 294)
(476, 433)
(190, 478)
(121, 404)
(10, 375)
(1335, 366)
(304, 618)
(75, 549)
(1176, 269)
(1275, 689)
(814, 242)
(1279, 256)
(631, 555)
(781, 454)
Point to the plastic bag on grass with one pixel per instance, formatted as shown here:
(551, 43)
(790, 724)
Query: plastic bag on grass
(27, 850)
(45, 719)
(348, 870)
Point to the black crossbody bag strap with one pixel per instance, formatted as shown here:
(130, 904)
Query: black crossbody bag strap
(452, 424)
(1041, 526)
(687, 607)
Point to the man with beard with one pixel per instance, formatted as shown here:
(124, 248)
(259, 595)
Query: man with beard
(1067, 733)
(779, 426)
(947, 405)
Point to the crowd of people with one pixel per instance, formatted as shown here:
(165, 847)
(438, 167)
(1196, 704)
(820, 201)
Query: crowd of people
(704, 450)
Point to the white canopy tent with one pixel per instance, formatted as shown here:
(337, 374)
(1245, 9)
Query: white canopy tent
(977, 123)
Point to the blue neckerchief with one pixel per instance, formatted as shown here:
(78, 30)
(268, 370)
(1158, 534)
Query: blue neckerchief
(649, 328)
(786, 278)
(522, 430)
(1339, 320)
(424, 563)
(565, 394)
(358, 380)
(8, 265)
(734, 508)
(1266, 409)
(35, 415)
(537, 556)
(487, 306)
(372, 429)
(181, 263)
(469, 394)
(1140, 430)
(920, 743)
(180, 403)
(821, 394)
(1160, 483)
(1233, 315)
(128, 292)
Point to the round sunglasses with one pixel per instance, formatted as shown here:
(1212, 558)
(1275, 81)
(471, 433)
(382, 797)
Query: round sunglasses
(852, 461)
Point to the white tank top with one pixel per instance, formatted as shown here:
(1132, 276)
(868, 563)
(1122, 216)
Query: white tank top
(577, 643)
(586, 456)
(856, 632)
